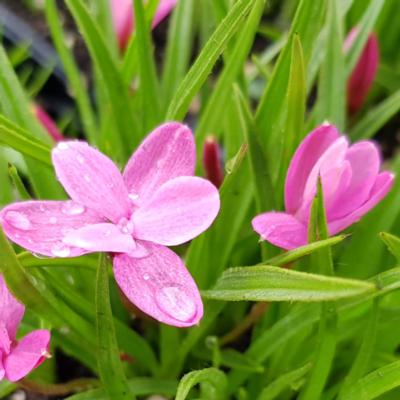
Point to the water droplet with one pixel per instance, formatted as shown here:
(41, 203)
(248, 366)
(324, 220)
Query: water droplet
(17, 235)
(60, 250)
(42, 208)
(18, 220)
(87, 178)
(81, 159)
(133, 196)
(176, 303)
(146, 277)
(72, 208)
(63, 146)
(30, 240)
(159, 163)
(107, 233)
(53, 220)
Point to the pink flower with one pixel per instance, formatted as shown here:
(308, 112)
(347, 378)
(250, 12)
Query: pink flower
(351, 182)
(48, 123)
(212, 161)
(18, 358)
(363, 75)
(124, 22)
(157, 202)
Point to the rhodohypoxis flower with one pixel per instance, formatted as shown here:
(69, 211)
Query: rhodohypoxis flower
(363, 74)
(351, 183)
(212, 161)
(124, 22)
(157, 202)
(48, 123)
(18, 358)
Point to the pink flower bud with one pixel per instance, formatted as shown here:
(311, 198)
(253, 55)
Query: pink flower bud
(363, 75)
(124, 22)
(351, 179)
(212, 161)
(48, 123)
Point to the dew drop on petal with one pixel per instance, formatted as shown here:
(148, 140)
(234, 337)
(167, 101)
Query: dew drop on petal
(60, 250)
(18, 220)
(53, 220)
(133, 196)
(176, 303)
(42, 208)
(72, 208)
(146, 277)
(81, 159)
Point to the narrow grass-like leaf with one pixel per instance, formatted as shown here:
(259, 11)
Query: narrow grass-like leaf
(295, 254)
(290, 379)
(393, 244)
(18, 139)
(203, 65)
(110, 368)
(76, 83)
(332, 85)
(375, 383)
(376, 117)
(149, 86)
(17, 181)
(211, 120)
(267, 283)
(212, 376)
(117, 91)
(365, 26)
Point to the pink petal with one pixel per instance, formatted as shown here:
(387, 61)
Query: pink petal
(160, 286)
(383, 184)
(365, 161)
(363, 75)
(28, 354)
(40, 226)
(92, 179)
(168, 152)
(212, 161)
(163, 9)
(122, 15)
(180, 210)
(281, 229)
(2, 370)
(303, 161)
(101, 237)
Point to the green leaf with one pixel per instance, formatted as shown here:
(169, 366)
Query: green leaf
(376, 117)
(17, 181)
(375, 383)
(149, 86)
(364, 27)
(332, 84)
(393, 244)
(267, 283)
(204, 63)
(18, 139)
(210, 120)
(110, 367)
(111, 79)
(77, 86)
(302, 251)
(212, 376)
(288, 380)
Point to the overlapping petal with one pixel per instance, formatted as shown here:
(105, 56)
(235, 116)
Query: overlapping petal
(281, 229)
(160, 286)
(92, 179)
(181, 209)
(40, 226)
(27, 354)
(303, 161)
(168, 152)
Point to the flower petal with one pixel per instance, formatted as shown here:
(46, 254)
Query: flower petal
(365, 161)
(101, 237)
(180, 210)
(122, 16)
(168, 152)
(163, 9)
(383, 184)
(39, 226)
(160, 286)
(28, 354)
(303, 161)
(11, 312)
(281, 229)
(92, 179)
